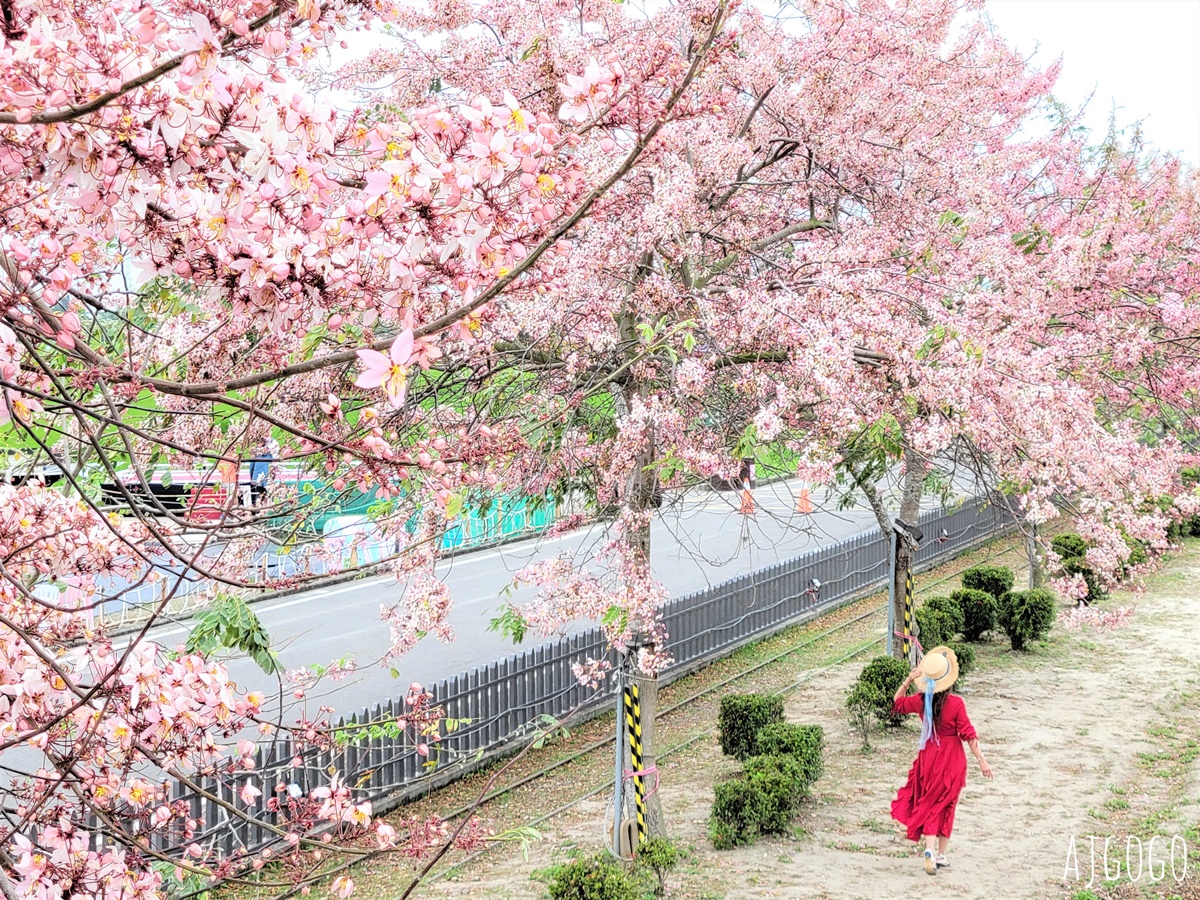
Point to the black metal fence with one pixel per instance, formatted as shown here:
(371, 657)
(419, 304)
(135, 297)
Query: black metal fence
(498, 706)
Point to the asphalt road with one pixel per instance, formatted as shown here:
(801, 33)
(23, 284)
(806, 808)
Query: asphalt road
(700, 538)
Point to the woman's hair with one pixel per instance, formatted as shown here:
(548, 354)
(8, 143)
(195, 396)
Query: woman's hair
(939, 700)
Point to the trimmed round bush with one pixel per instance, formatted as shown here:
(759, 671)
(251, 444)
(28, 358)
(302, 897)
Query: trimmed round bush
(804, 743)
(884, 674)
(780, 781)
(1068, 546)
(966, 658)
(1026, 616)
(979, 612)
(597, 878)
(933, 628)
(949, 608)
(995, 580)
(740, 718)
(736, 812)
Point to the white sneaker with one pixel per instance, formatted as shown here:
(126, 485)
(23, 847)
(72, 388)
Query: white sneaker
(930, 863)
(942, 862)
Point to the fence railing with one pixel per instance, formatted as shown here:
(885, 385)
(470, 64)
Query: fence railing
(498, 704)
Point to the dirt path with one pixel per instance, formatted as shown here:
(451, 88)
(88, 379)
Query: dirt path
(1093, 734)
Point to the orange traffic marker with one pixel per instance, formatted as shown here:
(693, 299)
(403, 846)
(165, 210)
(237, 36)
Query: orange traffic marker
(803, 504)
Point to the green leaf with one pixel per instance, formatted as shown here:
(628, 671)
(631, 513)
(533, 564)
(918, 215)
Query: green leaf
(511, 624)
(229, 624)
(454, 506)
(531, 49)
(166, 478)
(311, 340)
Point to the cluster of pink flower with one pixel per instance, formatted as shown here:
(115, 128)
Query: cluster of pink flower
(1106, 619)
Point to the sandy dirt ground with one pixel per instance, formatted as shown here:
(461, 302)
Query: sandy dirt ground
(1094, 734)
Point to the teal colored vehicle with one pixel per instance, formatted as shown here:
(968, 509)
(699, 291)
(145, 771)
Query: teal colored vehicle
(361, 543)
(508, 517)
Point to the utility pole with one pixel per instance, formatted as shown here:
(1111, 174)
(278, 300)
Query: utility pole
(904, 539)
(620, 679)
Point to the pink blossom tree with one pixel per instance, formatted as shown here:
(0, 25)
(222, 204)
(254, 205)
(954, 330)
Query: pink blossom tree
(199, 253)
(558, 245)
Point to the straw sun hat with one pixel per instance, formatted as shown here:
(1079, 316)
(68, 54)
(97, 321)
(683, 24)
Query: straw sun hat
(940, 666)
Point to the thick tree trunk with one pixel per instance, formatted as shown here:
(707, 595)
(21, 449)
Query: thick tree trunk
(1037, 572)
(916, 467)
(656, 825)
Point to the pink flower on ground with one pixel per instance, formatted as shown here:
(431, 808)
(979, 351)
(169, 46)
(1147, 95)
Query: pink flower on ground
(389, 372)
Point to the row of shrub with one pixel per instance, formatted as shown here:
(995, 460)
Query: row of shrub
(780, 763)
(986, 602)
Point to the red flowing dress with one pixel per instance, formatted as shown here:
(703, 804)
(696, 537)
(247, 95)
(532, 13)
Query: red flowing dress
(926, 802)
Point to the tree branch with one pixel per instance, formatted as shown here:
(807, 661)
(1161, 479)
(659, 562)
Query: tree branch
(75, 112)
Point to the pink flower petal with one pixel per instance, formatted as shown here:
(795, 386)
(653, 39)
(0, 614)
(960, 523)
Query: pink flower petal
(373, 359)
(402, 348)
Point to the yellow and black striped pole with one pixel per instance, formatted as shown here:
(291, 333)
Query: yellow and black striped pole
(908, 614)
(633, 721)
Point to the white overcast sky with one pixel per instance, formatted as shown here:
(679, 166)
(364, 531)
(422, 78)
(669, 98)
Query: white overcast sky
(1143, 56)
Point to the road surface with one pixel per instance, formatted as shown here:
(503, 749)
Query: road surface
(700, 538)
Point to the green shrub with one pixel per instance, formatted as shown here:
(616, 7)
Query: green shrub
(802, 742)
(1026, 616)
(762, 801)
(1139, 550)
(966, 658)
(933, 628)
(740, 718)
(660, 856)
(1077, 565)
(885, 674)
(979, 612)
(597, 878)
(781, 781)
(950, 608)
(861, 707)
(995, 580)
(736, 812)
(1068, 546)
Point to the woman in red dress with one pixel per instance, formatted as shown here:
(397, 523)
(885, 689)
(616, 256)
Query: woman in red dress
(926, 802)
